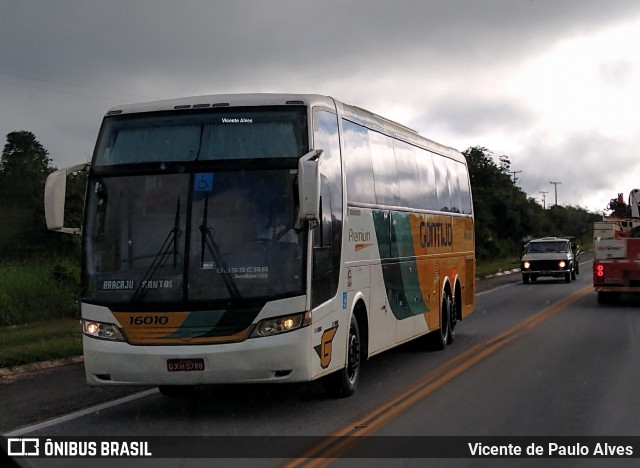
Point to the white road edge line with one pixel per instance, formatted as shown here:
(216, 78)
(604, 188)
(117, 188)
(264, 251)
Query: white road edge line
(80, 413)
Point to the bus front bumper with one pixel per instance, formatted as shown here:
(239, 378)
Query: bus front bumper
(281, 358)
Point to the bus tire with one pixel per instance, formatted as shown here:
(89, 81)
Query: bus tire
(176, 391)
(453, 319)
(439, 338)
(343, 383)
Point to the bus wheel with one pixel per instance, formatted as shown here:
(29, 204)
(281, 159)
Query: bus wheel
(177, 391)
(343, 383)
(453, 319)
(438, 339)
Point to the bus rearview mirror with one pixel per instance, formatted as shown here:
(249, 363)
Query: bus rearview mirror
(309, 186)
(54, 195)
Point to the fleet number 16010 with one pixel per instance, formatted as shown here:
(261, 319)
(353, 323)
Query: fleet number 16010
(149, 320)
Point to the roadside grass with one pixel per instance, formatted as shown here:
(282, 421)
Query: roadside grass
(486, 268)
(41, 341)
(39, 310)
(39, 290)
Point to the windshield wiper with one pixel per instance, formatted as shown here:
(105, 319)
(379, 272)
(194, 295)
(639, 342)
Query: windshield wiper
(171, 242)
(209, 242)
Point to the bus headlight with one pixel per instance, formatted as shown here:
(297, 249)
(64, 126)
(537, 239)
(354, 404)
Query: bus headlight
(277, 325)
(103, 331)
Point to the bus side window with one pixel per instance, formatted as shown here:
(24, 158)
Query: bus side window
(358, 164)
(453, 170)
(442, 183)
(427, 180)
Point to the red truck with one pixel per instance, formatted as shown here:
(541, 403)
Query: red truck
(616, 242)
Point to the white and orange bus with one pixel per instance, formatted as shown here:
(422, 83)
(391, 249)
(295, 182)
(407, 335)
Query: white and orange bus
(265, 238)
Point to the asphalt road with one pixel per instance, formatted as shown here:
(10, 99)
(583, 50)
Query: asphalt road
(533, 360)
(62, 390)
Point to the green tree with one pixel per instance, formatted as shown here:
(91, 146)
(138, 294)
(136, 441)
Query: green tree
(497, 205)
(24, 167)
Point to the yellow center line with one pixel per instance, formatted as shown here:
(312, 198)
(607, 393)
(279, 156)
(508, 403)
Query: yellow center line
(346, 437)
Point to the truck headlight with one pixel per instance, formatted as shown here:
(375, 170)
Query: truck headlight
(562, 264)
(526, 265)
(277, 325)
(100, 330)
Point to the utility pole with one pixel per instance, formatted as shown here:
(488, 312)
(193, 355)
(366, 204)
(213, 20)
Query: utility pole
(514, 175)
(556, 190)
(544, 199)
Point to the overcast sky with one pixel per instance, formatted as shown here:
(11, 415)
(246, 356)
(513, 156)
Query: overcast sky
(552, 84)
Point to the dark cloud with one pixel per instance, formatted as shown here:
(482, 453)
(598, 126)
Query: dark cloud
(475, 115)
(64, 63)
(588, 165)
(76, 40)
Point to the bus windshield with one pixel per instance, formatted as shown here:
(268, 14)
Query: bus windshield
(149, 240)
(195, 232)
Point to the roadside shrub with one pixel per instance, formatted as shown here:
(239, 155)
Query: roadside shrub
(66, 273)
(37, 290)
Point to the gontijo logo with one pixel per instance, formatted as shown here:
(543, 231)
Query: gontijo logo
(436, 234)
(324, 349)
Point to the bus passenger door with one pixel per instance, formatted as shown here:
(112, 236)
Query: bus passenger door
(407, 301)
(403, 285)
(381, 313)
(382, 328)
